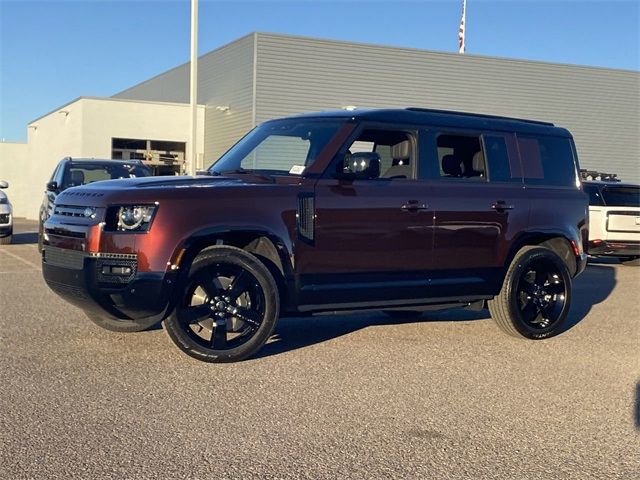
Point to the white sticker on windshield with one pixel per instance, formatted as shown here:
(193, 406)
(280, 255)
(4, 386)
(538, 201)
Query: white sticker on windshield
(297, 170)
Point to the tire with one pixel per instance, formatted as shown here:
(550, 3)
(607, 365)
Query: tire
(6, 240)
(120, 325)
(227, 307)
(631, 261)
(535, 297)
(40, 236)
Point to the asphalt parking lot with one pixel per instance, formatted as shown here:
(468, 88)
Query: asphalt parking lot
(351, 396)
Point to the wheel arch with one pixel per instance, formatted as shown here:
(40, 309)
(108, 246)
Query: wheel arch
(265, 245)
(559, 242)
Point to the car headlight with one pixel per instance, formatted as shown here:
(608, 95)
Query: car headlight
(134, 218)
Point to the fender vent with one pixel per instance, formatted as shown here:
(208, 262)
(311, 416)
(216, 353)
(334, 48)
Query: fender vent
(305, 217)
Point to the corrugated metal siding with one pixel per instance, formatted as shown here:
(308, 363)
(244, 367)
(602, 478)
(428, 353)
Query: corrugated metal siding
(170, 86)
(225, 77)
(599, 106)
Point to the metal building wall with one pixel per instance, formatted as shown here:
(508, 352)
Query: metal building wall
(599, 106)
(225, 78)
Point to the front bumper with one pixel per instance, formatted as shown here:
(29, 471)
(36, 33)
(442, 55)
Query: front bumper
(107, 284)
(614, 248)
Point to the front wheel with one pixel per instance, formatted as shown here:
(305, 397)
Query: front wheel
(226, 309)
(535, 297)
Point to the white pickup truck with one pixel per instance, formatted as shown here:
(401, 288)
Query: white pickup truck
(6, 216)
(614, 220)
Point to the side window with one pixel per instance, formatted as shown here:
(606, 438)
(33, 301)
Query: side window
(502, 158)
(394, 147)
(547, 160)
(461, 156)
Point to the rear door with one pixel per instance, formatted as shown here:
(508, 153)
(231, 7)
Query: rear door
(622, 222)
(480, 205)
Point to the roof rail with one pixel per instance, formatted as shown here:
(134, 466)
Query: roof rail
(482, 115)
(595, 175)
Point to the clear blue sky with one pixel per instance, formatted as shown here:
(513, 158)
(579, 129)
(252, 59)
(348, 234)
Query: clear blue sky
(54, 51)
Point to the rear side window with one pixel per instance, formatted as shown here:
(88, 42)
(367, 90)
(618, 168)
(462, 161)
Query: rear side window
(460, 156)
(547, 160)
(502, 155)
(621, 196)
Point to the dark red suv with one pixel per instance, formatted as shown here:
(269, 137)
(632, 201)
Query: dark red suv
(395, 210)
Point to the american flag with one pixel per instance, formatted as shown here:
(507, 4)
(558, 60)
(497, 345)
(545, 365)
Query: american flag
(461, 29)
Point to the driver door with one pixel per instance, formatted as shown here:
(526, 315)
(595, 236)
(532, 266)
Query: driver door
(373, 237)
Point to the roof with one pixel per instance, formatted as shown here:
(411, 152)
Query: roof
(454, 119)
(99, 161)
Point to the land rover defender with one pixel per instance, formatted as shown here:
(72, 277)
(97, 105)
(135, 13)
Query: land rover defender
(395, 210)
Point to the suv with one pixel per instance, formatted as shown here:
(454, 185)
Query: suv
(73, 172)
(396, 210)
(614, 220)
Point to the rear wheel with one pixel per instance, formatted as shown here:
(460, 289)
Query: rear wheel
(535, 297)
(227, 308)
(120, 325)
(631, 261)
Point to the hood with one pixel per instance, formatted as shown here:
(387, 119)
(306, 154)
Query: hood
(153, 189)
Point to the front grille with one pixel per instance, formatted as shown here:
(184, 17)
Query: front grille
(70, 210)
(61, 257)
(4, 217)
(65, 233)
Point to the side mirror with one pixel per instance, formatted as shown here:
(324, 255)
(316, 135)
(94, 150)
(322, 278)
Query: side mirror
(52, 186)
(359, 166)
(4, 184)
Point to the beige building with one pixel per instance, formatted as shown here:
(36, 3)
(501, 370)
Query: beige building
(93, 128)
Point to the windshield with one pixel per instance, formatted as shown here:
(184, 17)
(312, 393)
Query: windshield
(284, 147)
(82, 173)
(621, 196)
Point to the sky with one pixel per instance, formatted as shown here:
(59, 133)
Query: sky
(52, 52)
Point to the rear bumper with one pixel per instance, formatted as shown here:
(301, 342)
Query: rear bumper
(614, 248)
(581, 263)
(85, 280)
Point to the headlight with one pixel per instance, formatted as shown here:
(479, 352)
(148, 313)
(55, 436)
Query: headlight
(135, 218)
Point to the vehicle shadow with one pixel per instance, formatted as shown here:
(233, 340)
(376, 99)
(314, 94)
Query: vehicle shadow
(24, 238)
(293, 333)
(590, 288)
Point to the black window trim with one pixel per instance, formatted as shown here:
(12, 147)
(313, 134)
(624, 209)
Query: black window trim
(412, 130)
(462, 133)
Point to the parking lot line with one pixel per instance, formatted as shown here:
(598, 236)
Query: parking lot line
(18, 257)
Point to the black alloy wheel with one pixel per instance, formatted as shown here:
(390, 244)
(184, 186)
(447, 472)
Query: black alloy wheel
(541, 294)
(535, 297)
(227, 308)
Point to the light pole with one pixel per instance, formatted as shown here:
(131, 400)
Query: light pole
(193, 90)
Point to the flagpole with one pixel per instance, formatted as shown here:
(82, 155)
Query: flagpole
(461, 30)
(193, 90)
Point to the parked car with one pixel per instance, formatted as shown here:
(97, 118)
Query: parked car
(6, 216)
(73, 172)
(396, 210)
(614, 220)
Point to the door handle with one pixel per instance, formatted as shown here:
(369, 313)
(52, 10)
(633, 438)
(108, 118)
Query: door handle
(413, 206)
(501, 206)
